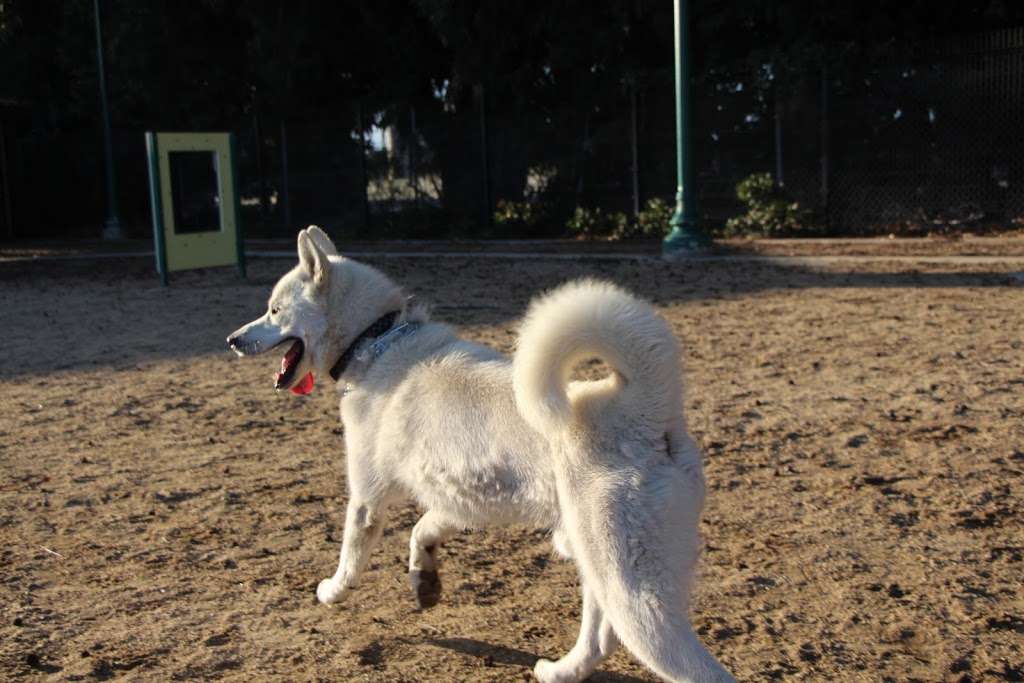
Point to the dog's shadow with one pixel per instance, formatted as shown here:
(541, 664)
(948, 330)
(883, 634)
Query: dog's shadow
(499, 654)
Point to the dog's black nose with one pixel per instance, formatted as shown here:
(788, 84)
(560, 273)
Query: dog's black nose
(232, 342)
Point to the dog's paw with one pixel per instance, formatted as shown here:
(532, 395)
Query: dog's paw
(426, 585)
(330, 591)
(547, 671)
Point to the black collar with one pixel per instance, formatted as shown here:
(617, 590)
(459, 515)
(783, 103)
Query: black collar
(383, 324)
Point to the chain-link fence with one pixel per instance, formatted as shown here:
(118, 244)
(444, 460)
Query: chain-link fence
(923, 138)
(916, 137)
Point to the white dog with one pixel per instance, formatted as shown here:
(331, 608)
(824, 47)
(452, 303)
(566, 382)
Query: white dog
(478, 439)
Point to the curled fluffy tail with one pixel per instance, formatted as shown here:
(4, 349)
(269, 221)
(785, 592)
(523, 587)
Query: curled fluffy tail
(591, 319)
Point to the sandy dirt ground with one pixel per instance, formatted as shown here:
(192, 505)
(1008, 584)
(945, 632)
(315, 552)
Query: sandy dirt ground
(1002, 244)
(164, 515)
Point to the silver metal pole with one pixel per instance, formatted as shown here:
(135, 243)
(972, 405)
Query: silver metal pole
(112, 228)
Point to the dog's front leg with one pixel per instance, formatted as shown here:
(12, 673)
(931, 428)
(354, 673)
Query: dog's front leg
(596, 641)
(364, 522)
(427, 535)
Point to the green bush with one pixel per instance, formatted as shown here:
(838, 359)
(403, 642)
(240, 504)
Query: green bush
(654, 218)
(652, 221)
(518, 214)
(589, 223)
(769, 212)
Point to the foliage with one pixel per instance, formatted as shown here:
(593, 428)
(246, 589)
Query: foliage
(590, 223)
(519, 215)
(341, 66)
(653, 219)
(769, 212)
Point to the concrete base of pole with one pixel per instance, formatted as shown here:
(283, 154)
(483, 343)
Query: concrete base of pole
(684, 240)
(684, 248)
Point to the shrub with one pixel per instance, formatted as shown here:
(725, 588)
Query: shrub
(769, 212)
(654, 218)
(620, 226)
(652, 221)
(518, 214)
(590, 223)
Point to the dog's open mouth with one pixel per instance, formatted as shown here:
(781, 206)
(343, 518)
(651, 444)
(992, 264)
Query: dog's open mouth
(289, 365)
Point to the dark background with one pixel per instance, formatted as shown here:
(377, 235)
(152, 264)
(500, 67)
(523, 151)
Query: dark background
(881, 116)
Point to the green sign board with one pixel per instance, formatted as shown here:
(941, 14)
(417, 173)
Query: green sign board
(194, 197)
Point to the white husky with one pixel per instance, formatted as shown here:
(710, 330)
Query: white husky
(478, 439)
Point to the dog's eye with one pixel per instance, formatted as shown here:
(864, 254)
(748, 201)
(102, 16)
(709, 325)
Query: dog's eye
(273, 311)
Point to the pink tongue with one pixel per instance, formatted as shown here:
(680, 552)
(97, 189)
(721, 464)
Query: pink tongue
(304, 385)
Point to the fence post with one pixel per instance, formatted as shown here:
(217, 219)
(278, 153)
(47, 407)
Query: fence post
(780, 178)
(484, 160)
(579, 165)
(825, 160)
(264, 199)
(5, 171)
(634, 143)
(285, 196)
(413, 156)
(362, 166)
(112, 229)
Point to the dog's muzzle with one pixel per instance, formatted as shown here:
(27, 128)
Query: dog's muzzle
(256, 337)
(245, 347)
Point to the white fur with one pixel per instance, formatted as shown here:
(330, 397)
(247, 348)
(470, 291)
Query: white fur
(477, 439)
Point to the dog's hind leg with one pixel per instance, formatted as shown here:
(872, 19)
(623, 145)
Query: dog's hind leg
(595, 642)
(364, 522)
(426, 536)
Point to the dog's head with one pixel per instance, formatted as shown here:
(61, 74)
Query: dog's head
(315, 310)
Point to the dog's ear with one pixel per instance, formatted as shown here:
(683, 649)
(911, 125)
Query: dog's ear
(313, 259)
(321, 238)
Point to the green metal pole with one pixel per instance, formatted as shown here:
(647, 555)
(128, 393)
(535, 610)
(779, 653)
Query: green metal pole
(685, 237)
(156, 205)
(112, 229)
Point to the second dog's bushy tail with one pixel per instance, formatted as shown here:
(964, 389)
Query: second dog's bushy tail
(592, 319)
